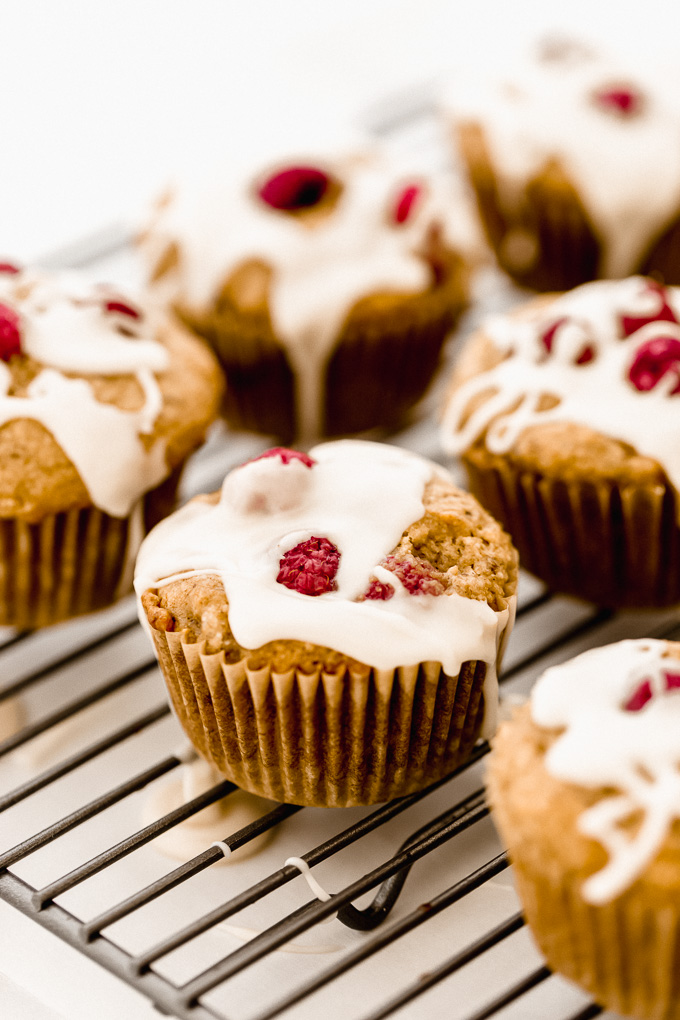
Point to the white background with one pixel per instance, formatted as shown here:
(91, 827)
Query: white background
(99, 101)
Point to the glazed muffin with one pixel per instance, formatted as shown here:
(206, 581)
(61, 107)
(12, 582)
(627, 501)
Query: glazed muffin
(566, 415)
(575, 165)
(585, 787)
(101, 405)
(326, 287)
(329, 625)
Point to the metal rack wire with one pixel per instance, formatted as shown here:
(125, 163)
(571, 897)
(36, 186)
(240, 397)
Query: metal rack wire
(187, 999)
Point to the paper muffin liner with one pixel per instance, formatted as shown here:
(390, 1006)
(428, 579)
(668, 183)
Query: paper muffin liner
(375, 382)
(542, 238)
(663, 257)
(73, 562)
(613, 545)
(381, 365)
(626, 953)
(323, 739)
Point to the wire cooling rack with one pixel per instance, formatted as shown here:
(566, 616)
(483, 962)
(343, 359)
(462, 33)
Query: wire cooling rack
(410, 908)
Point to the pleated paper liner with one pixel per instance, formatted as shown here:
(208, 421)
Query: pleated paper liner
(385, 357)
(73, 562)
(358, 737)
(626, 953)
(613, 545)
(543, 238)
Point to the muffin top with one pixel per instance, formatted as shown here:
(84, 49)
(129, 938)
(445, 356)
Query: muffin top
(99, 400)
(608, 722)
(296, 243)
(584, 384)
(357, 551)
(602, 124)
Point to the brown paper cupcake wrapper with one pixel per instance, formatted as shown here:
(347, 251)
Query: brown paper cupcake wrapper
(542, 238)
(379, 369)
(324, 739)
(73, 562)
(613, 545)
(625, 953)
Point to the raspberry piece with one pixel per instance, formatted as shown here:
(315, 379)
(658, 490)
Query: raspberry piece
(652, 360)
(406, 199)
(9, 267)
(418, 577)
(587, 354)
(631, 323)
(639, 697)
(672, 681)
(378, 591)
(10, 335)
(296, 187)
(643, 693)
(622, 100)
(287, 456)
(123, 308)
(549, 335)
(310, 567)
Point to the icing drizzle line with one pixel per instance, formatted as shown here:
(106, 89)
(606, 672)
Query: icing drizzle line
(597, 392)
(606, 743)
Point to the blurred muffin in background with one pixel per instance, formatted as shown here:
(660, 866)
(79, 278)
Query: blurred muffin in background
(101, 403)
(326, 285)
(574, 160)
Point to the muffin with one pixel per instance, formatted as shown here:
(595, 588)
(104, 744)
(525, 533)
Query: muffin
(584, 785)
(329, 625)
(567, 417)
(101, 405)
(326, 287)
(575, 165)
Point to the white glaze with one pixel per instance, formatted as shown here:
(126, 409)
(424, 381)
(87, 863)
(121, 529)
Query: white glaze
(362, 497)
(597, 394)
(604, 746)
(319, 271)
(65, 328)
(626, 170)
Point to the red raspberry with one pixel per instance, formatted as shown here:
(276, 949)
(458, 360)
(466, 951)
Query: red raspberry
(296, 187)
(287, 456)
(643, 693)
(406, 199)
(10, 334)
(378, 591)
(631, 323)
(419, 578)
(652, 360)
(122, 307)
(310, 567)
(547, 338)
(622, 100)
(9, 267)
